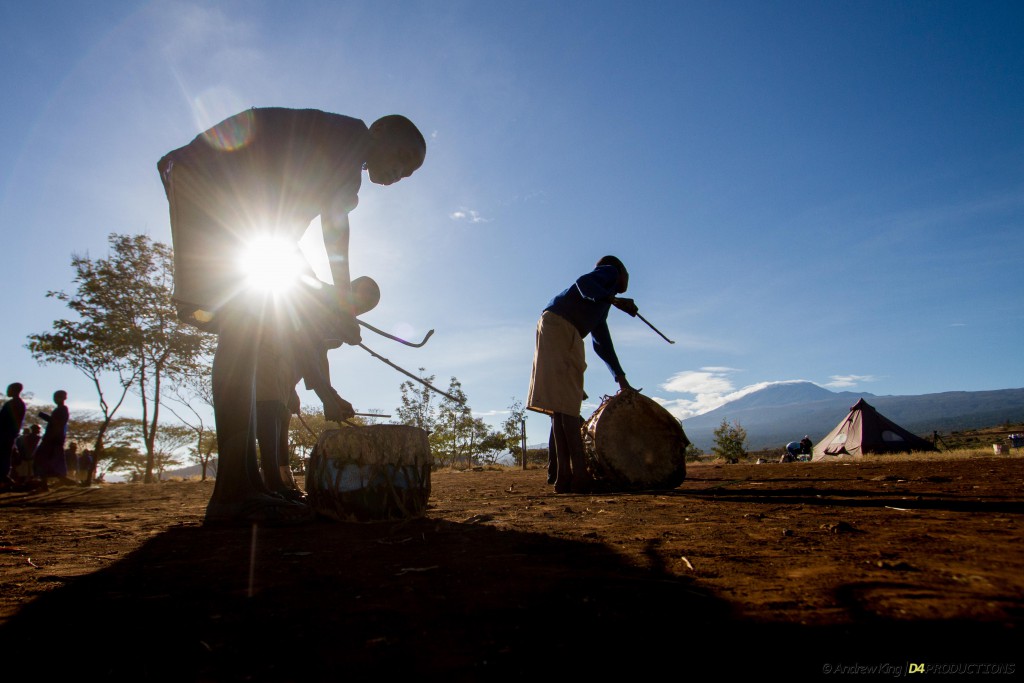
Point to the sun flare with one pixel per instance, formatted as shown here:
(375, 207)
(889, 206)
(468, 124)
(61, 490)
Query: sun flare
(271, 264)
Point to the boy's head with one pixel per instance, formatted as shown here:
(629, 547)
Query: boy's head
(365, 295)
(60, 396)
(14, 389)
(623, 283)
(397, 149)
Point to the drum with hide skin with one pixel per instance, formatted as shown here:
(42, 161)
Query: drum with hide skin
(634, 444)
(372, 473)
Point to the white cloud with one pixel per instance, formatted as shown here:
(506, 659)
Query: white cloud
(471, 215)
(710, 380)
(711, 387)
(490, 413)
(847, 381)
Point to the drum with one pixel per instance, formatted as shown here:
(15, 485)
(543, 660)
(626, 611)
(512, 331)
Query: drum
(633, 443)
(369, 474)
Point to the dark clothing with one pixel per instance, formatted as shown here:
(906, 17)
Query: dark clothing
(26, 445)
(85, 465)
(558, 366)
(261, 172)
(272, 421)
(12, 414)
(585, 304)
(49, 457)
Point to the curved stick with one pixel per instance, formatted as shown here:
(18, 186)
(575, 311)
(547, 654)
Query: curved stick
(405, 372)
(655, 329)
(393, 337)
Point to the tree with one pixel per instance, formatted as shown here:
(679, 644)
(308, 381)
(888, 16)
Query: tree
(455, 435)
(191, 389)
(123, 457)
(171, 444)
(512, 428)
(417, 407)
(454, 432)
(87, 345)
(127, 326)
(730, 441)
(84, 429)
(204, 450)
(491, 447)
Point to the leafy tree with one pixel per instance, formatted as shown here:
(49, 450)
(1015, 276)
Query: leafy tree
(491, 447)
(84, 429)
(123, 457)
(512, 428)
(730, 441)
(454, 430)
(128, 326)
(170, 446)
(88, 345)
(417, 407)
(192, 392)
(204, 450)
(455, 435)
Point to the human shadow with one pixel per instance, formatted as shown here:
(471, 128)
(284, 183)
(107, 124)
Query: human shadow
(329, 600)
(429, 598)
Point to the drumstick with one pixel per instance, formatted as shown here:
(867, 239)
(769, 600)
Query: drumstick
(654, 328)
(393, 337)
(405, 372)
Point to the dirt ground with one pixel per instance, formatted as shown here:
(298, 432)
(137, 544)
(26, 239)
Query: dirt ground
(804, 570)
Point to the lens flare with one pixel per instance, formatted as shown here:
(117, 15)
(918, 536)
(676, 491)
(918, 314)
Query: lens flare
(233, 133)
(271, 264)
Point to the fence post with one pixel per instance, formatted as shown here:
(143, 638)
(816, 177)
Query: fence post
(522, 427)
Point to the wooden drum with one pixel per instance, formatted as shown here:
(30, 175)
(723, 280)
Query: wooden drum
(633, 443)
(372, 473)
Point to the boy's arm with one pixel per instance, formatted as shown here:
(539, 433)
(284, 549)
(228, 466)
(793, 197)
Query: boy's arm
(316, 371)
(335, 226)
(602, 341)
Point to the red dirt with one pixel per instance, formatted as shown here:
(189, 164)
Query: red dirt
(762, 569)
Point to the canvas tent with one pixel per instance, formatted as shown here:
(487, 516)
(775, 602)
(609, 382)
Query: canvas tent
(865, 430)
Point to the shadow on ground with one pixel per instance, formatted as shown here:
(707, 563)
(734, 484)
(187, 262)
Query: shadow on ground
(426, 598)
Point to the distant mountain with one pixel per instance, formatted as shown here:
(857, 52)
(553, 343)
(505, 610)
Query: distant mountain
(790, 393)
(784, 412)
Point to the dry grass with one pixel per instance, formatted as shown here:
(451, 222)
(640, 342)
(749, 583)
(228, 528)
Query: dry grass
(954, 454)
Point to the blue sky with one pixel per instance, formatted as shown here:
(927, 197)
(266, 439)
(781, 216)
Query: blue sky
(823, 191)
